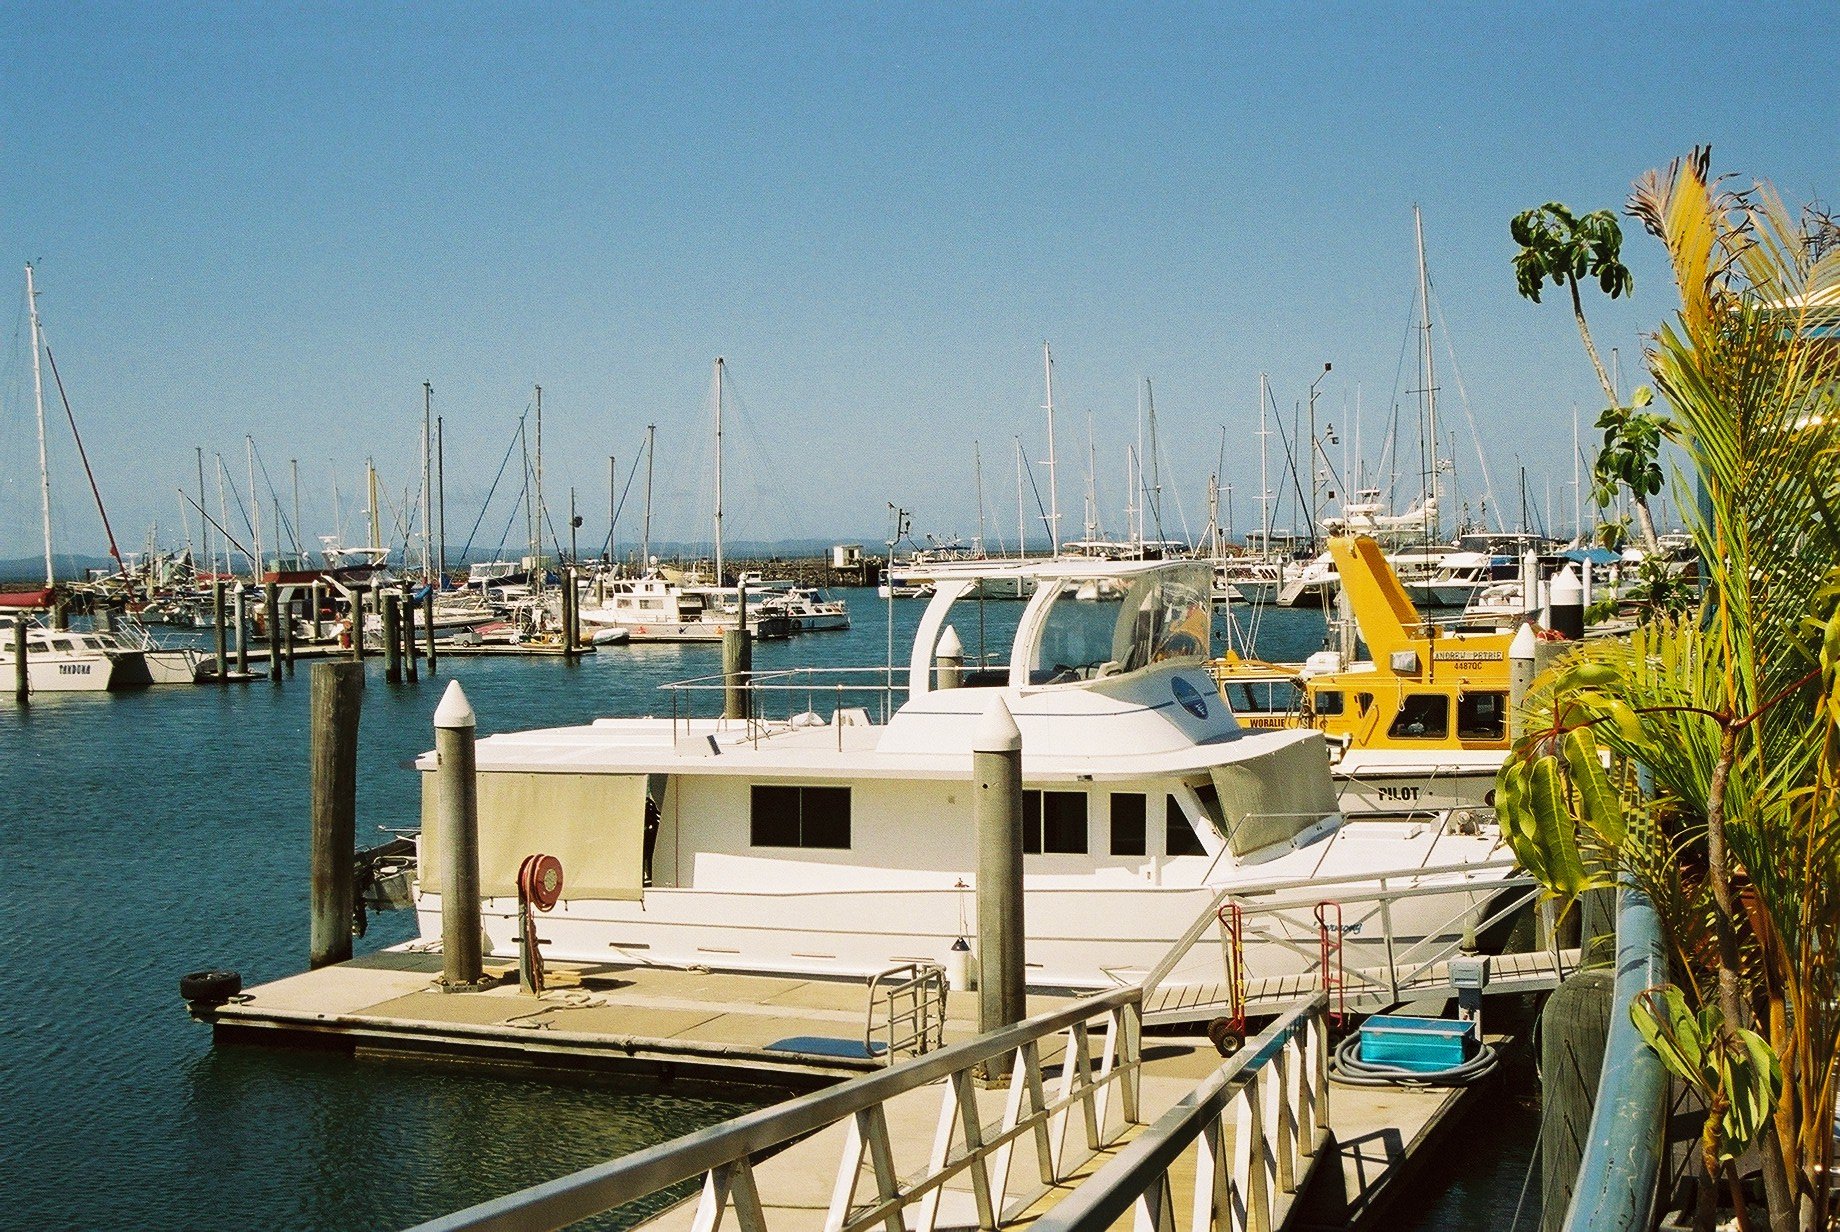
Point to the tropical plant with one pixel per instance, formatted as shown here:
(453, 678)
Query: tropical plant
(1733, 711)
(1564, 248)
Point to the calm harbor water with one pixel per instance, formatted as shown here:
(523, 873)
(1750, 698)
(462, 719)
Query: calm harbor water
(148, 834)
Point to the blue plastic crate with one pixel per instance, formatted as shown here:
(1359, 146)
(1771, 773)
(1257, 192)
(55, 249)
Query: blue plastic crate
(1422, 1045)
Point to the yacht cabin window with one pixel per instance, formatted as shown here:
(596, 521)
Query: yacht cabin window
(1054, 822)
(1179, 838)
(1328, 702)
(799, 816)
(1129, 833)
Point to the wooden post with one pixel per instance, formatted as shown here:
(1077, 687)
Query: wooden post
(409, 606)
(428, 624)
(392, 637)
(457, 809)
(571, 631)
(217, 628)
(338, 695)
(240, 611)
(316, 596)
(271, 611)
(996, 769)
(22, 681)
(1573, 1027)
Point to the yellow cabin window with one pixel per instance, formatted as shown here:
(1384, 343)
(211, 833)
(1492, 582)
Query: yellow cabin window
(1422, 716)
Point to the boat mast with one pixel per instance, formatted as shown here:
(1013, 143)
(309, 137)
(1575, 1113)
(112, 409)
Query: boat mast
(1264, 470)
(294, 470)
(1154, 503)
(38, 398)
(1092, 482)
(1429, 378)
(536, 531)
(1022, 523)
(1054, 498)
(718, 409)
(427, 480)
(645, 547)
(370, 479)
(204, 522)
(977, 482)
(1577, 489)
(255, 507)
(440, 470)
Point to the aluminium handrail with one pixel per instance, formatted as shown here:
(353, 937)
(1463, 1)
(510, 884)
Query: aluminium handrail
(1616, 1185)
(601, 1187)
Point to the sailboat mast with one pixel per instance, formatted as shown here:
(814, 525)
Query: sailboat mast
(255, 507)
(1428, 374)
(38, 398)
(536, 529)
(1577, 489)
(427, 480)
(645, 547)
(1022, 524)
(1155, 502)
(1264, 470)
(718, 409)
(204, 522)
(440, 471)
(370, 482)
(294, 471)
(1054, 498)
(977, 483)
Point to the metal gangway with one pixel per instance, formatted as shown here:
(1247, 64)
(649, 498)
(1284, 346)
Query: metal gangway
(988, 1133)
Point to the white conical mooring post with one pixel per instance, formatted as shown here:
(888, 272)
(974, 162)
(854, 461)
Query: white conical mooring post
(996, 767)
(1520, 678)
(457, 818)
(949, 660)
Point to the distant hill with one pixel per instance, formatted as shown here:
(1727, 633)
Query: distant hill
(32, 568)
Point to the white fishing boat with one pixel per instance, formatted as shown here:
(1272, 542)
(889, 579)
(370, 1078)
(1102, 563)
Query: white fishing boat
(828, 843)
(806, 609)
(656, 609)
(68, 661)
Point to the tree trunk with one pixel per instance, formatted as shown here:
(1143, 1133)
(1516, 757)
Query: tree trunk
(1645, 523)
(1590, 348)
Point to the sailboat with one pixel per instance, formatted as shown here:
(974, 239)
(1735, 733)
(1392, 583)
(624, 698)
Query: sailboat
(57, 660)
(655, 607)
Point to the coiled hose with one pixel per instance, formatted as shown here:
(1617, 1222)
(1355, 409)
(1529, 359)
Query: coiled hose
(1348, 1069)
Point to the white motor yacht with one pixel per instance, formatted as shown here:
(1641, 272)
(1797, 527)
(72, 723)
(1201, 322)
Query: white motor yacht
(67, 661)
(828, 843)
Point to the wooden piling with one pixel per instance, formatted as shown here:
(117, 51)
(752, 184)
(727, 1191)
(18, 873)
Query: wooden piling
(217, 628)
(996, 768)
(1573, 1028)
(22, 680)
(457, 810)
(428, 624)
(271, 612)
(408, 633)
(392, 637)
(571, 599)
(337, 698)
(316, 596)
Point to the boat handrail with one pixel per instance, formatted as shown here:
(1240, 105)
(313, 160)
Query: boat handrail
(722, 1154)
(1617, 1177)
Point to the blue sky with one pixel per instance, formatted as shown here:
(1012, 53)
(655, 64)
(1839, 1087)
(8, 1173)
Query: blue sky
(278, 222)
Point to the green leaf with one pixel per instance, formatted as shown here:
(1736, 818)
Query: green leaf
(1603, 808)
(1565, 872)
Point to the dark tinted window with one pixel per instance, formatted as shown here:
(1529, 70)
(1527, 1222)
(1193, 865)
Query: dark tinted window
(1422, 716)
(1179, 837)
(799, 816)
(1482, 716)
(1329, 701)
(1128, 830)
(1054, 822)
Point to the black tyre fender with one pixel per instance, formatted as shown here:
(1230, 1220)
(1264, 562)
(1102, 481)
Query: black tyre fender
(210, 987)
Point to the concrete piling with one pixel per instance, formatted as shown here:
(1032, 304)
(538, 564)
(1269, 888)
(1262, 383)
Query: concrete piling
(428, 624)
(22, 681)
(271, 613)
(392, 637)
(217, 629)
(240, 613)
(949, 660)
(409, 605)
(996, 768)
(337, 698)
(457, 808)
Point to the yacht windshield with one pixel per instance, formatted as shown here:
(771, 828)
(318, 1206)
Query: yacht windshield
(1104, 626)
